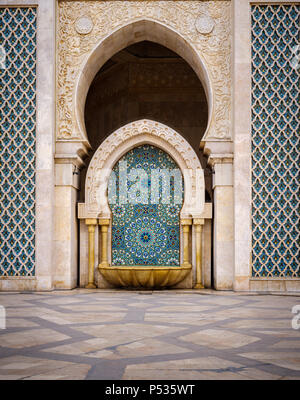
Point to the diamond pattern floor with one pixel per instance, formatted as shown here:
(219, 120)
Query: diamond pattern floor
(93, 334)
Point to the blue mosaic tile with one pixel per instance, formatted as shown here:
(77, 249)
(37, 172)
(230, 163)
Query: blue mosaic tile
(146, 233)
(17, 145)
(275, 141)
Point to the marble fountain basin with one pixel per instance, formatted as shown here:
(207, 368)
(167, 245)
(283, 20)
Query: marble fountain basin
(144, 276)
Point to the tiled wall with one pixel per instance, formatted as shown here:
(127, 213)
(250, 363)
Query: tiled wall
(18, 140)
(275, 141)
(146, 231)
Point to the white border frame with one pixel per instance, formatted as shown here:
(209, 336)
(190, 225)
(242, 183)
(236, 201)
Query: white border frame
(242, 153)
(45, 124)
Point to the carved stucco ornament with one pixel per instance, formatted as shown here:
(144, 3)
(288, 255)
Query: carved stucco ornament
(84, 25)
(108, 16)
(124, 139)
(204, 24)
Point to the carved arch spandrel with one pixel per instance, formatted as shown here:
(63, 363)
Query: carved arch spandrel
(124, 139)
(136, 31)
(164, 22)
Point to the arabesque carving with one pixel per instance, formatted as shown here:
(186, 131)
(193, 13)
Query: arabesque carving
(213, 48)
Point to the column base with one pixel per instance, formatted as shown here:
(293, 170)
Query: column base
(198, 286)
(104, 265)
(186, 265)
(90, 286)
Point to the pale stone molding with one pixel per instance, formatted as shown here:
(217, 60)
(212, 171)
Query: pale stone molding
(204, 24)
(214, 159)
(120, 24)
(45, 132)
(84, 25)
(243, 280)
(221, 159)
(124, 139)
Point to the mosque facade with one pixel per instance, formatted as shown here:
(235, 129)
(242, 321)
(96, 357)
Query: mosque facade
(149, 144)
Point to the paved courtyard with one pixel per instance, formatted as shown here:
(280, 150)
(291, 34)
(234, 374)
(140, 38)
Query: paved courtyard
(94, 334)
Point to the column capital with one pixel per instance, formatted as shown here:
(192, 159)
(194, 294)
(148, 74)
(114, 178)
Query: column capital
(186, 221)
(217, 147)
(84, 213)
(71, 152)
(91, 221)
(214, 159)
(103, 221)
(198, 221)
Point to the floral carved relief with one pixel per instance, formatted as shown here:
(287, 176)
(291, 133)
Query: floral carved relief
(73, 48)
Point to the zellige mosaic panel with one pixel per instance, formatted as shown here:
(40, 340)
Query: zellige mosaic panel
(275, 141)
(18, 140)
(146, 231)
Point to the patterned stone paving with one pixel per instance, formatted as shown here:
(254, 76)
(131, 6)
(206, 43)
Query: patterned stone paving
(93, 334)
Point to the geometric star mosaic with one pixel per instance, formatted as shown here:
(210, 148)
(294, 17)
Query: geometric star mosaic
(147, 231)
(275, 141)
(18, 140)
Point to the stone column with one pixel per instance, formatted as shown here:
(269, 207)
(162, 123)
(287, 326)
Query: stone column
(186, 223)
(91, 223)
(65, 233)
(104, 223)
(67, 164)
(241, 97)
(223, 220)
(198, 223)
